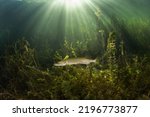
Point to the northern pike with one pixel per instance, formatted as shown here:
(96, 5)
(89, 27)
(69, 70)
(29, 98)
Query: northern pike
(75, 61)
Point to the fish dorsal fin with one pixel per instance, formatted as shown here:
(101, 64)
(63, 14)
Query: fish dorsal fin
(66, 57)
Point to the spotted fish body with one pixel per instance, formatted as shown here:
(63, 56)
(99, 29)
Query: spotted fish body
(75, 61)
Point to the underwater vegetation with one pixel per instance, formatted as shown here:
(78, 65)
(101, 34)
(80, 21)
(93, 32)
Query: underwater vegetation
(113, 76)
(89, 53)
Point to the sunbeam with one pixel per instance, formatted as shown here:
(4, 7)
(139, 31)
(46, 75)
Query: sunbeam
(72, 3)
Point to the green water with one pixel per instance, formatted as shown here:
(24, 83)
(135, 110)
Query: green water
(36, 34)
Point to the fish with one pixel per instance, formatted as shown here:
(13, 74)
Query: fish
(75, 61)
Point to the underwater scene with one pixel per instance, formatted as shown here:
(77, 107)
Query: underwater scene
(75, 49)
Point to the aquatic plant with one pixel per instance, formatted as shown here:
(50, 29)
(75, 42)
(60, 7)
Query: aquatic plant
(22, 78)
